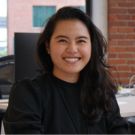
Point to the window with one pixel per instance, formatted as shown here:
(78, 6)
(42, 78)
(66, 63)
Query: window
(41, 14)
(3, 28)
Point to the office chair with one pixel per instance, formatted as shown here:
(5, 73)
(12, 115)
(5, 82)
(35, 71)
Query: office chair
(6, 74)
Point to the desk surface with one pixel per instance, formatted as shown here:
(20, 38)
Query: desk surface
(3, 104)
(127, 106)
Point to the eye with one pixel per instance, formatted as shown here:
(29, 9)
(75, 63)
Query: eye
(62, 41)
(81, 41)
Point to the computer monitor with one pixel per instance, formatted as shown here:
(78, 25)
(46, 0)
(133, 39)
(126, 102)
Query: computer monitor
(25, 51)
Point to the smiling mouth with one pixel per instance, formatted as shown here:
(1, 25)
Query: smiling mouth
(72, 60)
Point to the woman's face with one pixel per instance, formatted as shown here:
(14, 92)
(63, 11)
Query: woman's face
(70, 49)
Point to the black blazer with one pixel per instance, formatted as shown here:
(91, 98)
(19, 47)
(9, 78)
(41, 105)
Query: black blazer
(39, 106)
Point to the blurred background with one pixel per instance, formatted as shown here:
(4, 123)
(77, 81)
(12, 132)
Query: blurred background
(115, 18)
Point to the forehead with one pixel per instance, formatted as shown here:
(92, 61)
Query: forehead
(71, 27)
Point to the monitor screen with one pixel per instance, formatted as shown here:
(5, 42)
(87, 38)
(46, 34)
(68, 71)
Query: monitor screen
(25, 53)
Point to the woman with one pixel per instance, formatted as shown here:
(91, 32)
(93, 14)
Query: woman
(75, 94)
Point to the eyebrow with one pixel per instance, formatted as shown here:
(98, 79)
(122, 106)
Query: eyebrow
(84, 37)
(80, 37)
(61, 36)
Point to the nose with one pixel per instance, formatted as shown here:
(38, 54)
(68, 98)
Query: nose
(72, 48)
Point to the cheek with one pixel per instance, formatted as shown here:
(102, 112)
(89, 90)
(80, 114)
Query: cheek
(53, 49)
(86, 52)
(55, 52)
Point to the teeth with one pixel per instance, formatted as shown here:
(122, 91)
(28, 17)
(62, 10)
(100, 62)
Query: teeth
(71, 60)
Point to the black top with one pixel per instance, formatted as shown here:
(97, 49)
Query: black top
(71, 92)
(49, 105)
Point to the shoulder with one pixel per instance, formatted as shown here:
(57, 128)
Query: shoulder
(25, 106)
(28, 92)
(31, 85)
(25, 86)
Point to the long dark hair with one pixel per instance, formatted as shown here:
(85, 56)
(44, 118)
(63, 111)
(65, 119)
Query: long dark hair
(97, 86)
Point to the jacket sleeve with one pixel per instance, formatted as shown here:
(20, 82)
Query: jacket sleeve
(116, 124)
(23, 114)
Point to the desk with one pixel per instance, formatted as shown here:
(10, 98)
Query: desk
(127, 106)
(3, 104)
(3, 107)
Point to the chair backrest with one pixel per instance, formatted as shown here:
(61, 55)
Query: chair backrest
(7, 69)
(6, 75)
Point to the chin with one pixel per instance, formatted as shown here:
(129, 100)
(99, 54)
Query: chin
(73, 71)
